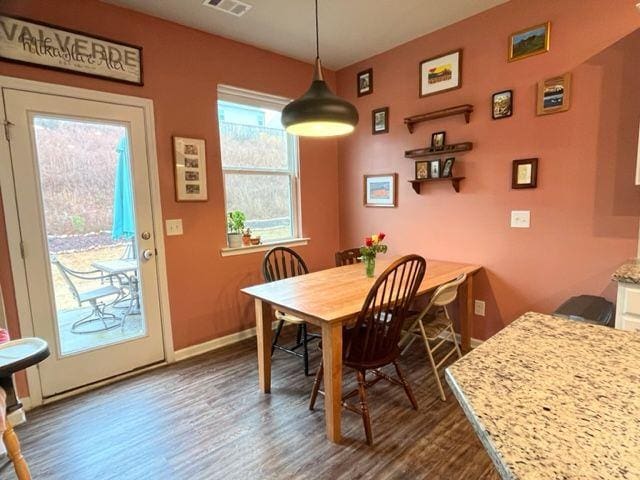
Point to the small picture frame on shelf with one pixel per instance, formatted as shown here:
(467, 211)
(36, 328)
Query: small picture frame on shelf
(502, 104)
(447, 167)
(554, 95)
(434, 168)
(437, 140)
(380, 121)
(422, 170)
(190, 169)
(525, 173)
(365, 82)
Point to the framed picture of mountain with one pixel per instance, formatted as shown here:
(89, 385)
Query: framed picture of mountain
(530, 41)
(441, 74)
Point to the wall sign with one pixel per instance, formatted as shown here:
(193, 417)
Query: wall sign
(29, 42)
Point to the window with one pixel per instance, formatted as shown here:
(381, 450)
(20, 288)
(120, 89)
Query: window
(259, 163)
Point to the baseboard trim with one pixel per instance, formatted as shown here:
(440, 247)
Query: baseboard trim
(215, 344)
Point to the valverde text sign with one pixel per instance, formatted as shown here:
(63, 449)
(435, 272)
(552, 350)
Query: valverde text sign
(26, 41)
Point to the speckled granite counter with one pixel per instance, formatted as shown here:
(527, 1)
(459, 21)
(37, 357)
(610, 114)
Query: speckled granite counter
(629, 272)
(555, 399)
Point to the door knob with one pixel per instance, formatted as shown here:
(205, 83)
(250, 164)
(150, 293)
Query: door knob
(147, 254)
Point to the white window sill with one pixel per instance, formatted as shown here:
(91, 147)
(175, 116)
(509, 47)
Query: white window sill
(294, 242)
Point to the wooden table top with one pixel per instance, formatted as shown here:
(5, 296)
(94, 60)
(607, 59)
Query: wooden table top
(338, 293)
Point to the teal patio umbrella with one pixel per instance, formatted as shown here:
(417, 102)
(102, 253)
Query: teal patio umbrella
(124, 222)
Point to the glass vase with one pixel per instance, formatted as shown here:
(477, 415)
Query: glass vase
(370, 266)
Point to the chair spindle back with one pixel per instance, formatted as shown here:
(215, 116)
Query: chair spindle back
(348, 257)
(282, 262)
(379, 324)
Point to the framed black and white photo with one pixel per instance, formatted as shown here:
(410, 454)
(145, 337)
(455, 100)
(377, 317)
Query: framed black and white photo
(438, 140)
(447, 167)
(190, 169)
(380, 120)
(434, 168)
(49, 46)
(365, 82)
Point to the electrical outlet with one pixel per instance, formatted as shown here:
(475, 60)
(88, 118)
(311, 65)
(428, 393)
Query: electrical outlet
(520, 219)
(174, 227)
(478, 307)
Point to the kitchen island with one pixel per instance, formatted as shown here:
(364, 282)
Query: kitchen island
(555, 399)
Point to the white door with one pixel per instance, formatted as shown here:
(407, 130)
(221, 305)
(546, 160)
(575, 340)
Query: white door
(81, 178)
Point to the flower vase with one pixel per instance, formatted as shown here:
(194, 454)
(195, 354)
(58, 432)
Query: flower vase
(370, 266)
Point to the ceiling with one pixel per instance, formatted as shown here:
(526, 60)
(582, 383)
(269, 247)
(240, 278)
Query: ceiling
(350, 30)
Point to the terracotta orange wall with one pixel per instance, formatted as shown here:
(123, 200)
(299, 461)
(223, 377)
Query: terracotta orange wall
(584, 213)
(182, 69)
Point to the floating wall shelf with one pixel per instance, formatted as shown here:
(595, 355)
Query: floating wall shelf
(428, 152)
(455, 182)
(447, 112)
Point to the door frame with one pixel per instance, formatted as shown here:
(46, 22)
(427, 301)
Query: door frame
(12, 221)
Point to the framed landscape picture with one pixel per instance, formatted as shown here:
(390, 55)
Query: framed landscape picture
(381, 190)
(554, 95)
(441, 74)
(530, 41)
(190, 169)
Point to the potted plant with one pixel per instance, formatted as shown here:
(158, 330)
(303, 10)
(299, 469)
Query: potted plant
(246, 237)
(235, 227)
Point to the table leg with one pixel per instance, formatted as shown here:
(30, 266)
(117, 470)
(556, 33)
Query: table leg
(332, 361)
(466, 314)
(12, 445)
(263, 336)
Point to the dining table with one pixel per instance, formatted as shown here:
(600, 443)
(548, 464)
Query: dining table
(331, 298)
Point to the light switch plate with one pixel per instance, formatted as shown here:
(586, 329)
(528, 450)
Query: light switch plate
(174, 227)
(520, 219)
(478, 307)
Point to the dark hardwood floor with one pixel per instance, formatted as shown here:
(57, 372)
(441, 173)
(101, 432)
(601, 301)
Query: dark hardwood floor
(204, 418)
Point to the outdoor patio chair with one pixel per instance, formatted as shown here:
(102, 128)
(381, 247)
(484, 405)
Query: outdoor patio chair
(92, 296)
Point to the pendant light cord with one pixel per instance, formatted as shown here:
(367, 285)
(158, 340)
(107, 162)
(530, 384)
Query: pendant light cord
(317, 34)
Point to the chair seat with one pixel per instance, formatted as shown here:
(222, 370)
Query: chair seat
(97, 293)
(434, 325)
(287, 317)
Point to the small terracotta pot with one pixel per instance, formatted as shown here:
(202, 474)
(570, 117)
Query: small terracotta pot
(246, 240)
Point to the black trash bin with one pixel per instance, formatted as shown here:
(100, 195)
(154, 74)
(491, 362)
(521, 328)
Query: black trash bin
(589, 309)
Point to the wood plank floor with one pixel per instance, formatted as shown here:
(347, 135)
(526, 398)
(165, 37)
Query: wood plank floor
(204, 418)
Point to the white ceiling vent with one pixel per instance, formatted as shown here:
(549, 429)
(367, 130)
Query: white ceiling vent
(234, 7)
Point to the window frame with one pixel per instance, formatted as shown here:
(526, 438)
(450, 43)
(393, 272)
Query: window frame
(250, 98)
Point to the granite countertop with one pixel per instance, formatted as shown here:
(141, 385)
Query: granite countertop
(555, 399)
(629, 272)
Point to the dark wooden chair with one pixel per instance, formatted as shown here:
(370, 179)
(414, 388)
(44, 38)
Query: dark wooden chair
(280, 263)
(373, 342)
(348, 257)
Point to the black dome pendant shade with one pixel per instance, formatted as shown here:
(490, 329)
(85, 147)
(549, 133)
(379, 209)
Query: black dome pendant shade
(319, 112)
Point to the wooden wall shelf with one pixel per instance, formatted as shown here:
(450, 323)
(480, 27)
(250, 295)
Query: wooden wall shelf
(428, 152)
(447, 112)
(455, 182)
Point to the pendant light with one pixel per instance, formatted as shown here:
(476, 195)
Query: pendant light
(319, 113)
